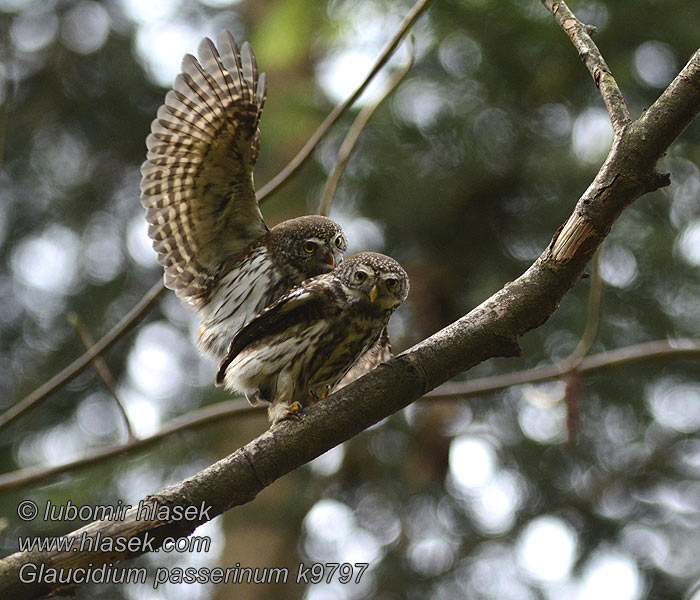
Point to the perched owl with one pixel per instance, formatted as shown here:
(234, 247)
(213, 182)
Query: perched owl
(303, 345)
(197, 188)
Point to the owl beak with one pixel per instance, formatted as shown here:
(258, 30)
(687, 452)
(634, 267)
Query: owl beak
(373, 293)
(330, 259)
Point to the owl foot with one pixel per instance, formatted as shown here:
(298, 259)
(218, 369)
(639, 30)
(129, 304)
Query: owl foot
(316, 398)
(281, 411)
(293, 411)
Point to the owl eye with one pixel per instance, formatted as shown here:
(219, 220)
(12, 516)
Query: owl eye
(392, 283)
(309, 247)
(338, 242)
(360, 275)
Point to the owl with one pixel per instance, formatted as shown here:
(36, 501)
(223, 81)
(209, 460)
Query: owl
(301, 347)
(197, 189)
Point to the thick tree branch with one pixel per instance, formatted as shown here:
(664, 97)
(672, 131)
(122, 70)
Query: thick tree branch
(630, 167)
(491, 329)
(580, 36)
(620, 357)
(667, 118)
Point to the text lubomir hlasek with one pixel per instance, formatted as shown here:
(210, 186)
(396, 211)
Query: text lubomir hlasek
(147, 510)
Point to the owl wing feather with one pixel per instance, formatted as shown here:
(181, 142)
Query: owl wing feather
(197, 180)
(378, 353)
(300, 305)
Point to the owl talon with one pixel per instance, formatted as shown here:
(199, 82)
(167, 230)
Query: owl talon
(294, 411)
(316, 398)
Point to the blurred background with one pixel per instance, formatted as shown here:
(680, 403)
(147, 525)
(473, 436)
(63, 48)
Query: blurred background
(463, 175)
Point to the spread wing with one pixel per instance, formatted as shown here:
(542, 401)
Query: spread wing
(197, 181)
(297, 307)
(378, 353)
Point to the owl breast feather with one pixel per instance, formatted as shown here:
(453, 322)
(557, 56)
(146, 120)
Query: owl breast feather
(239, 295)
(285, 366)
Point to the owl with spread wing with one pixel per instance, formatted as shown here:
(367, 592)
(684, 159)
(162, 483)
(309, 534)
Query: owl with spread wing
(197, 189)
(301, 347)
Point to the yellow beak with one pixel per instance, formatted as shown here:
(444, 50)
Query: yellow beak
(373, 293)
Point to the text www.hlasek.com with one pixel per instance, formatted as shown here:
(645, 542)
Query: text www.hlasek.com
(99, 543)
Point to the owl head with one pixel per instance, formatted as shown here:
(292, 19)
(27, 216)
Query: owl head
(311, 245)
(375, 278)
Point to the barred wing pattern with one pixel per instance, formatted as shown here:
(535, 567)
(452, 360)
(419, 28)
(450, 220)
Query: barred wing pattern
(197, 184)
(377, 354)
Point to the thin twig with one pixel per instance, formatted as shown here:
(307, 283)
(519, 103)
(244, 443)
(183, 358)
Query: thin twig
(353, 135)
(590, 332)
(595, 362)
(569, 366)
(579, 34)
(416, 11)
(191, 421)
(450, 391)
(3, 132)
(102, 370)
(127, 323)
(572, 395)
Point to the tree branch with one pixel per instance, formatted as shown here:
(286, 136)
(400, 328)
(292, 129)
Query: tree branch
(611, 359)
(667, 118)
(590, 332)
(579, 34)
(360, 122)
(620, 357)
(491, 329)
(103, 371)
(128, 322)
(569, 366)
(416, 11)
(189, 422)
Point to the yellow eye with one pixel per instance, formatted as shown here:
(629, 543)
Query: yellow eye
(360, 275)
(338, 242)
(309, 247)
(392, 283)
